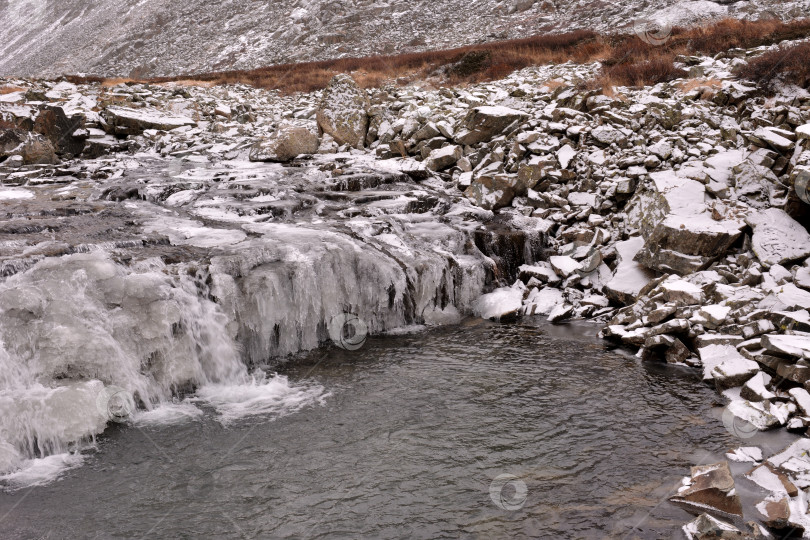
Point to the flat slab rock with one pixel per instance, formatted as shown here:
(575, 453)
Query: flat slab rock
(483, 123)
(778, 238)
(790, 345)
(127, 121)
(710, 489)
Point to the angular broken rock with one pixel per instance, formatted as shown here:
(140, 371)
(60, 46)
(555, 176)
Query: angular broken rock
(492, 192)
(33, 148)
(762, 415)
(126, 121)
(795, 461)
(772, 479)
(343, 111)
(796, 345)
(288, 142)
(778, 238)
(680, 233)
(710, 490)
(443, 158)
(543, 301)
(776, 513)
(630, 277)
(712, 356)
(483, 123)
(67, 134)
(563, 265)
(733, 372)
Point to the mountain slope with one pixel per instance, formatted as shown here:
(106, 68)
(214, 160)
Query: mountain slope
(166, 37)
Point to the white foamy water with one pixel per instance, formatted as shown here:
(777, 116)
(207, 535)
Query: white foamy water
(41, 471)
(167, 414)
(261, 396)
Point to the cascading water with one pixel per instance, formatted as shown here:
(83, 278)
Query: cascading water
(79, 332)
(159, 309)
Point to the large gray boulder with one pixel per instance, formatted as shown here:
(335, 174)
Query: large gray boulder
(681, 233)
(288, 142)
(481, 124)
(343, 111)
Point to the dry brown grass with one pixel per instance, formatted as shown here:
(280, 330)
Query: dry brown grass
(189, 83)
(785, 64)
(627, 59)
(9, 89)
(109, 83)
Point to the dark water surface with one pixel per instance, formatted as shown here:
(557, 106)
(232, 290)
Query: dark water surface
(407, 445)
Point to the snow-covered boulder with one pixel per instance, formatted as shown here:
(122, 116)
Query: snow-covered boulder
(343, 111)
(630, 277)
(483, 123)
(288, 142)
(681, 234)
(500, 304)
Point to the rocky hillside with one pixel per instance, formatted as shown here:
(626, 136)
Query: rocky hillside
(163, 37)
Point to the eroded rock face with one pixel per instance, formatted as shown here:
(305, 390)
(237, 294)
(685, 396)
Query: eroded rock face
(343, 111)
(288, 142)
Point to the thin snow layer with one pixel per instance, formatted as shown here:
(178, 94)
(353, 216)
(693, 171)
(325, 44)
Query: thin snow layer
(746, 454)
(630, 277)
